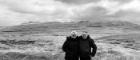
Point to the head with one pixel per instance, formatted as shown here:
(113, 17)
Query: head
(73, 34)
(85, 35)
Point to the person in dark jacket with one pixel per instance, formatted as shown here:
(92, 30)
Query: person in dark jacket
(87, 47)
(70, 47)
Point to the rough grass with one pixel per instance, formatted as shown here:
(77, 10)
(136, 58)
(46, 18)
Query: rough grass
(49, 48)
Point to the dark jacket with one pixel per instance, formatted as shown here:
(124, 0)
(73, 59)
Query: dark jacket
(70, 47)
(87, 46)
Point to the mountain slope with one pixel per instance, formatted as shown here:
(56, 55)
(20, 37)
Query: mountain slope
(82, 25)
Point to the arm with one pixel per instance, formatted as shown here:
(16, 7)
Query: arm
(65, 45)
(94, 47)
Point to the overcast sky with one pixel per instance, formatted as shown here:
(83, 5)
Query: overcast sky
(13, 12)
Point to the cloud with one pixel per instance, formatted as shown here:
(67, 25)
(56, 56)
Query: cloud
(35, 6)
(8, 17)
(78, 1)
(41, 10)
(37, 10)
(122, 1)
(19, 11)
(112, 10)
(132, 6)
(115, 6)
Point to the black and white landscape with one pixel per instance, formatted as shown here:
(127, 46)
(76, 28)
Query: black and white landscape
(36, 29)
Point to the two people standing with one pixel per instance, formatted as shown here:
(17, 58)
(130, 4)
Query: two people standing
(79, 47)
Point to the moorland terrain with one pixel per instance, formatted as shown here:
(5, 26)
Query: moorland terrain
(116, 40)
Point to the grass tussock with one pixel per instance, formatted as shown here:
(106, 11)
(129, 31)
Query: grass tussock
(50, 48)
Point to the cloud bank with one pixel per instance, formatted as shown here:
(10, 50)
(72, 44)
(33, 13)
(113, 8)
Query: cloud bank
(14, 12)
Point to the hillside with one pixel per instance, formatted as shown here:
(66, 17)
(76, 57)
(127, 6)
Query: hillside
(41, 46)
(82, 25)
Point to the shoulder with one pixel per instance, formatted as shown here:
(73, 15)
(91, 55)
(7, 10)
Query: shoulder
(80, 36)
(90, 39)
(68, 38)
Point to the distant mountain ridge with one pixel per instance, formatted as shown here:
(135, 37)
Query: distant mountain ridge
(49, 26)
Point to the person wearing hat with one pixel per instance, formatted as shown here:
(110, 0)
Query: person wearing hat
(70, 47)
